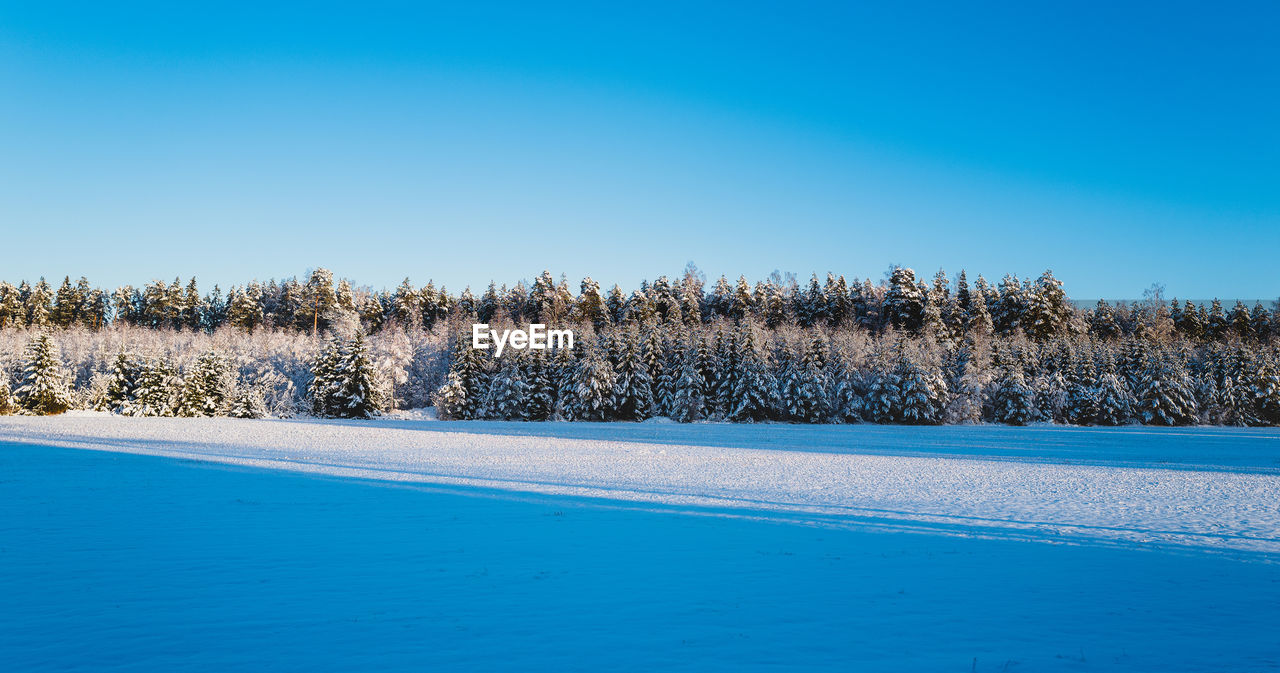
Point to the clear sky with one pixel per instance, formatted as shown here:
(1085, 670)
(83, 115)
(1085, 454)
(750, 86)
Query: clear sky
(1119, 144)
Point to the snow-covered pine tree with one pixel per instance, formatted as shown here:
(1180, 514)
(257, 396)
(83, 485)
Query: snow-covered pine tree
(632, 388)
(1012, 400)
(7, 404)
(883, 390)
(654, 352)
(247, 402)
(121, 392)
(1053, 400)
(1114, 403)
(1264, 387)
(356, 393)
(803, 388)
(43, 387)
(159, 391)
(688, 401)
(541, 392)
(904, 303)
(324, 377)
(922, 393)
(460, 396)
(750, 398)
(1047, 310)
(593, 381)
(1165, 396)
(508, 392)
(206, 386)
(665, 385)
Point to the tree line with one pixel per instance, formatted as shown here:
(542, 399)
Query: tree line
(946, 308)
(897, 351)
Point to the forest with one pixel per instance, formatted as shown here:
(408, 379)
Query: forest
(898, 350)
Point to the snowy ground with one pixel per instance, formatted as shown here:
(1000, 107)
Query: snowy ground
(495, 546)
(1209, 489)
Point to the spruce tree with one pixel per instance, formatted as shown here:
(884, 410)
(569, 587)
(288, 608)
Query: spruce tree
(904, 304)
(43, 386)
(593, 381)
(461, 395)
(632, 388)
(921, 393)
(508, 391)
(120, 395)
(1114, 402)
(206, 386)
(750, 397)
(1012, 400)
(7, 403)
(1165, 396)
(356, 393)
(688, 403)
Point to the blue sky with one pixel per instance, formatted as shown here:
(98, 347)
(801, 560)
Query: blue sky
(1117, 145)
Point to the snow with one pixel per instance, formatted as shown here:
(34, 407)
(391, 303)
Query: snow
(1081, 485)
(413, 544)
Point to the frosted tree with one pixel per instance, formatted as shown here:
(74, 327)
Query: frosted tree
(356, 392)
(324, 378)
(7, 404)
(922, 393)
(750, 398)
(43, 387)
(1114, 403)
(121, 392)
(633, 387)
(803, 388)
(460, 397)
(1165, 396)
(207, 386)
(904, 304)
(688, 402)
(541, 391)
(593, 385)
(1264, 389)
(1012, 400)
(247, 402)
(508, 392)
(882, 391)
(590, 306)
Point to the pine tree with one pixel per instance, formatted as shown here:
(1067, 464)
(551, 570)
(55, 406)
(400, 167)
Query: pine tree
(633, 387)
(206, 386)
(43, 386)
(1264, 389)
(508, 392)
(593, 382)
(921, 393)
(160, 389)
(247, 403)
(7, 403)
(356, 393)
(1114, 403)
(904, 304)
(590, 307)
(324, 378)
(688, 397)
(541, 392)
(750, 397)
(121, 392)
(1165, 397)
(1012, 400)
(460, 397)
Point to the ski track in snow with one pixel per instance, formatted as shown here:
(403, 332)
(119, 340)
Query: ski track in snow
(1190, 489)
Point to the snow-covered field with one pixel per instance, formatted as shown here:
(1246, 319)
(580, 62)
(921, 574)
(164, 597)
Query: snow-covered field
(421, 545)
(1212, 489)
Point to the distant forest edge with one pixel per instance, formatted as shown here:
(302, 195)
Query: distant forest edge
(900, 350)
